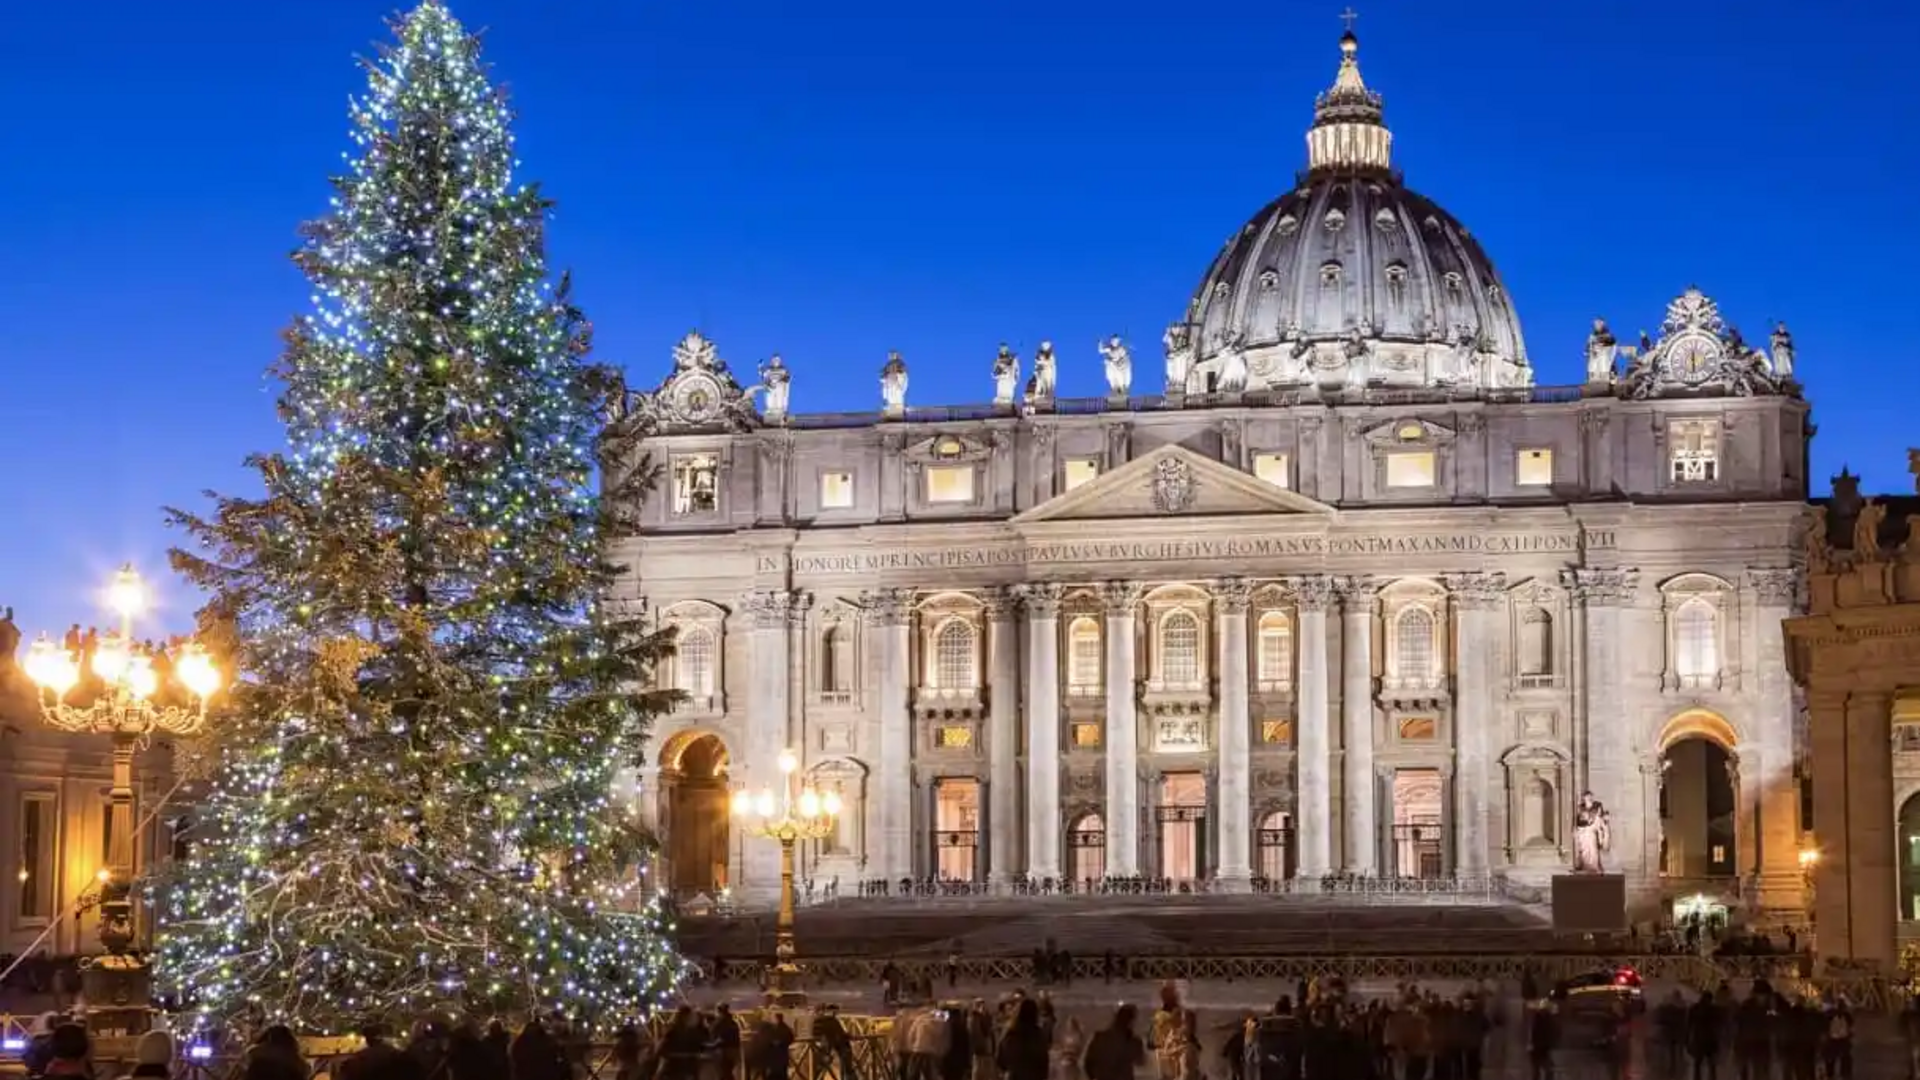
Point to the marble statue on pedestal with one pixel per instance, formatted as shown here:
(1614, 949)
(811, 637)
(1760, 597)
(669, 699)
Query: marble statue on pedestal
(1119, 367)
(1179, 348)
(1040, 385)
(1602, 349)
(1006, 376)
(777, 381)
(1592, 834)
(1782, 351)
(893, 386)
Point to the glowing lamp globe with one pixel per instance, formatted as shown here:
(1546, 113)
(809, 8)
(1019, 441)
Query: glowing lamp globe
(110, 657)
(51, 667)
(196, 671)
(809, 804)
(127, 594)
(742, 803)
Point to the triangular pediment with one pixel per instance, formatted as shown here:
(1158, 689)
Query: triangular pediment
(1171, 481)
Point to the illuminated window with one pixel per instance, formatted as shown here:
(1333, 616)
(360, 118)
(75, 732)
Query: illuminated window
(35, 872)
(1083, 655)
(954, 664)
(950, 484)
(953, 737)
(1273, 469)
(1410, 468)
(1086, 736)
(1276, 732)
(1180, 649)
(1080, 470)
(1419, 728)
(1413, 644)
(1696, 643)
(836, 491)
(1275, 650)
(1533, 468)
(696, 483)
(1694, 446)
(693, 663)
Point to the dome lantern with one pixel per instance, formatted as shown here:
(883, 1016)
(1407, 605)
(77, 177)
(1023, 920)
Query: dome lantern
(1349, 132)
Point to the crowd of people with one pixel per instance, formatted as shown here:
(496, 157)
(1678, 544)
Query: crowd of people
(1141, 885)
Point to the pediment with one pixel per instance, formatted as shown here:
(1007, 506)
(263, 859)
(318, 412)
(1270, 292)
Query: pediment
(1171, 481)
(1409, 431)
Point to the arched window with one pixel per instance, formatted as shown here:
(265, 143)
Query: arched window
(1083, 654)
(1275, 843)
(954, 667)
(1180, 649)
(1275, 649)
(694, 662)
(1413, 644)
(1536, 643)
(1696, 644)
(836, 674)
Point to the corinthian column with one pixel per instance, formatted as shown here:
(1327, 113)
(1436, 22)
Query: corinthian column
(766, 727)
(1357, 597)
(1043, 729)
(1612, 774)
(1768, 763)
(1313, 744)
(1476, 599)
(890, 815)
(1123, 731)
(1235, 811)
(1003, 736)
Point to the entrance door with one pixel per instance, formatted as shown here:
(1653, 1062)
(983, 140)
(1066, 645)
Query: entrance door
(1419, 824)
(956, 829)
(1087, 851)
(1181, 820)
(1275, 862)
(697, 823)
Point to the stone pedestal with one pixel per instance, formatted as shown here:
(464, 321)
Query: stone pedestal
(1590, 903)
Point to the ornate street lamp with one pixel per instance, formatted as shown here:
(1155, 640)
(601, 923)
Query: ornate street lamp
(789, 819)
(132, 695)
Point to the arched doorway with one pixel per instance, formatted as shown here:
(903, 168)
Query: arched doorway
(1087, 849)
(693, 782)
(1274, 862)
(1699, 798)
(1909, 840)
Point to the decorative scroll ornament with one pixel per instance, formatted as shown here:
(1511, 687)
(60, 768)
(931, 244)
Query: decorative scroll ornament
(1477, 591)
(1313, 592)
(700, 395)
(769, 609)
(1173, 486)
(1774, 587)
(1699, 355)
(1233, 595)
(888, 607)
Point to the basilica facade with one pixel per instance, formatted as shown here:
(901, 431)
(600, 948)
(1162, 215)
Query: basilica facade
(1347, 593)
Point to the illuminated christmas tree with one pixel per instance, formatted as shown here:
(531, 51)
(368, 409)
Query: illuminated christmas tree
(412, 804)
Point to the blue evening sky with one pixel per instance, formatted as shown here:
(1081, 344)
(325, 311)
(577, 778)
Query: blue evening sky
(834, 180)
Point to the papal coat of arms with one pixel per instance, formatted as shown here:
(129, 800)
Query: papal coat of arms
(1173, 486)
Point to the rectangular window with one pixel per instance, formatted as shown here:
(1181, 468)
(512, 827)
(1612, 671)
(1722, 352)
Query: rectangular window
(696, 483)
(1086, 736)
(950, 483)
(953, 737)
(836, 491)
(1533, 468)
(1419, 728)
(1276, 732)
(1693, 448)
(1410, 469)
(1273, 469)
(1079, 471)
(35, 872)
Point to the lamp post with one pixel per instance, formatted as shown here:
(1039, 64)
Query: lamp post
(789, 819)
(129, 698)
(1809, 864)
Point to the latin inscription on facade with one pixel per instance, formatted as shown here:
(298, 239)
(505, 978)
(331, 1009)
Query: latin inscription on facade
(1139, 551)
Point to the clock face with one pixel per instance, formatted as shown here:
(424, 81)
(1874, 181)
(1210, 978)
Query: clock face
(1691, 357)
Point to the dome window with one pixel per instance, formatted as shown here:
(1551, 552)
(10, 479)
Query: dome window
(1384, 220)
(1336, 220)
(1330, 275)
(1221, 290)
(1432, 223)
(1269, 279)
(1397, 283)
(1287, 225)
(1454, 284)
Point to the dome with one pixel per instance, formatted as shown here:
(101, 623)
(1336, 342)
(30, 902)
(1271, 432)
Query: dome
(1350, 280)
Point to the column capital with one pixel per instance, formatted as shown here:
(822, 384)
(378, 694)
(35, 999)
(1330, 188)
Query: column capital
(1121, 597)
(999, 603)
(1773, 586)
(1358, 592)
(1233, 595)
(798, 606)
(1602, 588)
(768, 608)
(1312, 592)
(1476, 591)
(887, 607)
(1041, 599)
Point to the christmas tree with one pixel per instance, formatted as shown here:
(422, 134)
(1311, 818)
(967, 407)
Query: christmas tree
(412, 807)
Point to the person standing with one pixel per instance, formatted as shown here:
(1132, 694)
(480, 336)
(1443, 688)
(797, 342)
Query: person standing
(1115, 1051)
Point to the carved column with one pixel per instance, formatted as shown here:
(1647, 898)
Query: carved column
(1611, 768)
(1357, 597)
(1234, 807)
(1003, 737)
(1043, 730)
(1768, 761)
(1122, 599)
(1476, 600)
(1313, 810)
(890, 811)
(1856, 889)
(766, 733)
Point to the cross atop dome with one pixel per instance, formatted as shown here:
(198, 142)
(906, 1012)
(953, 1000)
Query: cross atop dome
(1349, 132)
